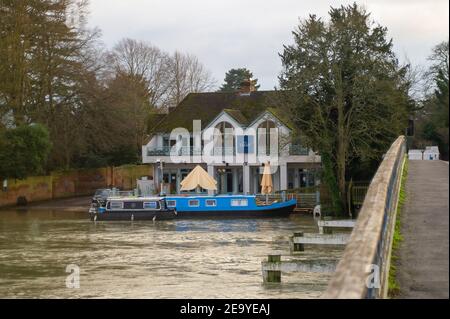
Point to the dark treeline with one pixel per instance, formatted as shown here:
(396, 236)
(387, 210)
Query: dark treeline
(94, 103)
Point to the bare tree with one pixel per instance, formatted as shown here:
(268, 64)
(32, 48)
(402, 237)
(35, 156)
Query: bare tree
(188, 75)
(143, 60)
(170, 77)
(439, 59)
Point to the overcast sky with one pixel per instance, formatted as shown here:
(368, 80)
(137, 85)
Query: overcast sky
(250, 33)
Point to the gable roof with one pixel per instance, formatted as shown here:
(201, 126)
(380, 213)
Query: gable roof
(269, 111)
(237, 115)
(207, 106)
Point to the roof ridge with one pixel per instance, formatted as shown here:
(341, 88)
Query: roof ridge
(207, 105)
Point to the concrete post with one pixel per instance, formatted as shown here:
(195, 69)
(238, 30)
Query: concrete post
(156, 177)
(283, 176)
(246, 179)
(211, 173)
(235, 180)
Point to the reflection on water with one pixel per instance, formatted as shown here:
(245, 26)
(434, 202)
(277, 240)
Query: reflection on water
(166, 259)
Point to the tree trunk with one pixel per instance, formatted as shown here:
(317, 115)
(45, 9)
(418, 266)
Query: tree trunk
(341, 156)
(329, 178)
(341, 160)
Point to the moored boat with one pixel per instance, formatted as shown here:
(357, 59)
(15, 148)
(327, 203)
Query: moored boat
(229, 206)
(133, 208)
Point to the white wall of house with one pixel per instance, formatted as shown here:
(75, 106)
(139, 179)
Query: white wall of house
(249, 172)
(415, 155)
(431, 153)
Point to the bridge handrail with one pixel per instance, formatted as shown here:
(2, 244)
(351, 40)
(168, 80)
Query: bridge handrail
(370, 242)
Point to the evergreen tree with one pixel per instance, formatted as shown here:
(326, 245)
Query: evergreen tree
(24, 151)
(235, 77)
(346, 91)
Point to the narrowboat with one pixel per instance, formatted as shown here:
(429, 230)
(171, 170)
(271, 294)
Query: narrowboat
(229, 206)
(133, 208)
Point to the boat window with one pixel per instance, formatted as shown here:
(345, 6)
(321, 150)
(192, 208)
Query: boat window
(116, 205)
(239, 202)
(133, 205)
(171, 203)
(194, 203)
(211, 203)
(150, 205)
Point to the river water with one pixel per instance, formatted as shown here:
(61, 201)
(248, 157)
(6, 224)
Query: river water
(162, 259)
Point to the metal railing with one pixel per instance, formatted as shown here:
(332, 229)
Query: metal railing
(217, 151)
(167, 151)
(224, 151)
(305, 200)
(117, 193)
(358, 194)
(364, 268)
(298, 150)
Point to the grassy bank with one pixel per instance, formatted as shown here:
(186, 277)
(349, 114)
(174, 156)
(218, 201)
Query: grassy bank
(394, 288)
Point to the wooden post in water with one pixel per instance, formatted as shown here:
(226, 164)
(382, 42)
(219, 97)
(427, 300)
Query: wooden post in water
(326, 230)
(298, 247)
(272, 275)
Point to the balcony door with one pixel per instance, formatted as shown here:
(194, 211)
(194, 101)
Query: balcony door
(224, 141)
(266, 135)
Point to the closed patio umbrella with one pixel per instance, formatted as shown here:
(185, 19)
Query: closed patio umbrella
(198, 177)
(266, 182)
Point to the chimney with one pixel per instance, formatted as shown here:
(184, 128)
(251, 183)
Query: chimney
(247, 87)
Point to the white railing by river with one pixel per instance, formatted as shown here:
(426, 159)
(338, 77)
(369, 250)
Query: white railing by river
(364, 268)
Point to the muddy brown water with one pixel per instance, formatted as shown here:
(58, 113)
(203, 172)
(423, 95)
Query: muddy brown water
(163, 259)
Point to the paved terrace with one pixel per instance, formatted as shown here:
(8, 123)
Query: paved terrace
(423, 268)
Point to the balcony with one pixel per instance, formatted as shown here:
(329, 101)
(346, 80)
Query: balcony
(217, 151)
(224, 151)
(166, 151)
(298, 150)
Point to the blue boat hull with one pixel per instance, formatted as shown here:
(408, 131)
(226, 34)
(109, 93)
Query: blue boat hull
(222, 206)
(268, 213)
(228, 206)
(134, 215)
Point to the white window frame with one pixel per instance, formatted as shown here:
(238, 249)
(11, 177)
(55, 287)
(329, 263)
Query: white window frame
(212, 200)
(191, 200)
(115, 208)
(239, 202)
(153, 202)
(171, 201)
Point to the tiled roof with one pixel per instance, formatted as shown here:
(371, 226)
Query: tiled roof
(207, 106)
(237, 115)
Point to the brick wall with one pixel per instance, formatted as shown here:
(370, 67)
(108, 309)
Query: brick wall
(72, 183)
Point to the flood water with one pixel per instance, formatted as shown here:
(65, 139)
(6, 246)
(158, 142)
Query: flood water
(162, 259)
